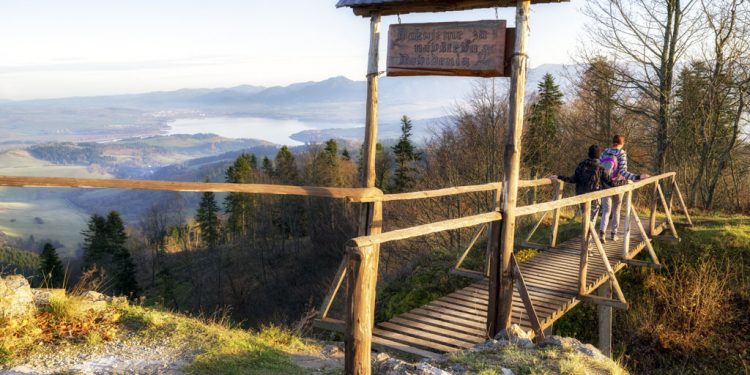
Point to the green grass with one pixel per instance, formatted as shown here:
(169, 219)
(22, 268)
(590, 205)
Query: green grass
(223, 348)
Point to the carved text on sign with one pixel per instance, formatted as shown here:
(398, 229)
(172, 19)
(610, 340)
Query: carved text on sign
(447, 48)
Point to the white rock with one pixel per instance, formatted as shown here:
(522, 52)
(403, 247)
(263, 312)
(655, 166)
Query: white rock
(16, 298)
(506, 371)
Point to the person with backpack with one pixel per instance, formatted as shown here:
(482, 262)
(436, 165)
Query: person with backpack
(614, 160)
(588, 177)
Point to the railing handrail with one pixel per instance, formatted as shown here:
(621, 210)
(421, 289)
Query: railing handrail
(456, 190)
(572, 201)
(424, 229)
(351, 194)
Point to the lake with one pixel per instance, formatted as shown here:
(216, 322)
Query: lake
(272, 130)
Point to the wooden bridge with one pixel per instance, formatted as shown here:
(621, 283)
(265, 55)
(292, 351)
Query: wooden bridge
(545, 287)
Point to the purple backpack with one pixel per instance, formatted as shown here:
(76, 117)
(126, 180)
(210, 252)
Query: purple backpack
(609, 163)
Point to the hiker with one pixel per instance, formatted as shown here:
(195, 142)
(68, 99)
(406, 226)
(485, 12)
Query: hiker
(614, 160)
(589, 176)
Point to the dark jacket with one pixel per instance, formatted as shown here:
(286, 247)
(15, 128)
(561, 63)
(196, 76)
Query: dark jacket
(589, 176)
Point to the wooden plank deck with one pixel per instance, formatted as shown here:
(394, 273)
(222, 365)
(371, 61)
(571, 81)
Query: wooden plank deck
(457, 321)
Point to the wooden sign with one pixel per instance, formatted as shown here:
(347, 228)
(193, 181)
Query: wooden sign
(475, 49)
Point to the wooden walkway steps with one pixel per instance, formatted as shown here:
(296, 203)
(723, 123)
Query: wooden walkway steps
(458, 321)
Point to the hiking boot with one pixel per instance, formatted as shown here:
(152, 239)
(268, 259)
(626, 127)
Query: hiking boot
(602, 237)
(615, 237)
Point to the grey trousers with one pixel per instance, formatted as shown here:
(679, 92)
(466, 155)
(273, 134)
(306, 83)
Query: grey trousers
(611, 209)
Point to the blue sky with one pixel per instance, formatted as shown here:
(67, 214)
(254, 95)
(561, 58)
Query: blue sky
(53, 48)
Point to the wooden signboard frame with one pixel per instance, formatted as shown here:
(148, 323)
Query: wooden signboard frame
(472, 49)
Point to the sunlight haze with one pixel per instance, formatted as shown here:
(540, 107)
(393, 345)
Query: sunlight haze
(84, 47)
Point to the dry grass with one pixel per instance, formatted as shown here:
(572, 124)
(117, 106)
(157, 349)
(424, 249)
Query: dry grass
(685, 304)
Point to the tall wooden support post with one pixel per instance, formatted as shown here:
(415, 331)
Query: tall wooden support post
(492, 232)
(558, 186)
(360, 308)
(584, 264)
(501, 316)
(495, 268)
(605, 320)
(363, 262)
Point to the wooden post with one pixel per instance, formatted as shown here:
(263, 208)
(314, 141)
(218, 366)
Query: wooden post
(360, 309)
(667, 212)
(559, 186)
(682, 203)
(512, 163)
(494, 323)
(654, 206)
(584, 265)
(626, 239)
(363, 263)
(605, 320)
(491, 233)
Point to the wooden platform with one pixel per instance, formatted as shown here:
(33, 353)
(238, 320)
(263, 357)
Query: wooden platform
(457, 321)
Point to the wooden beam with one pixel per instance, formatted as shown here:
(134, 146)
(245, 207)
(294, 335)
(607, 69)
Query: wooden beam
(628, 208)
(524, 293)
(434, 6)
(421, 230)
(604, 313)
(494, 325)
(360, 312)
(645, 236)
(584, 263)
(353, 194)
(471, 245)
(640, 263)
(338, 279)
(682, 203)
(607, 266)
(667, 211)
(654, 207)
(604, 301)
(538, 224)
(559, 188)
(512, 162)
(363, 261)
(578, 199)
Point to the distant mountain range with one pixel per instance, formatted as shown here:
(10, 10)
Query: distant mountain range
(337, 99)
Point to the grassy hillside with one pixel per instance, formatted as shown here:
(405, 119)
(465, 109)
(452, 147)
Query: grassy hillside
(15, 261)
(66, 328)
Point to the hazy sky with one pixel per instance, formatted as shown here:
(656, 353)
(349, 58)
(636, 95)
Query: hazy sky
(53, 48)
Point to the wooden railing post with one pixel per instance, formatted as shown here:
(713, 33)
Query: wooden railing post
(667, 212)
(360, 308)
(654, 206)
(584, 265)
(682, 202)
(559, 186)
(490, 234)
(628, 208)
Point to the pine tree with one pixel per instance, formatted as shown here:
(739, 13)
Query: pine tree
(51, 267)
(405, 154)
(541, 134)
(267, 167)
(123, 268)
(95, 242)
(240, 206)
(292, 208)
(208, 219)
(345, 155)
(331, 150)
(286, 167)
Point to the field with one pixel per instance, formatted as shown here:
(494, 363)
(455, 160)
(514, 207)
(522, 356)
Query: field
(42, 213)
